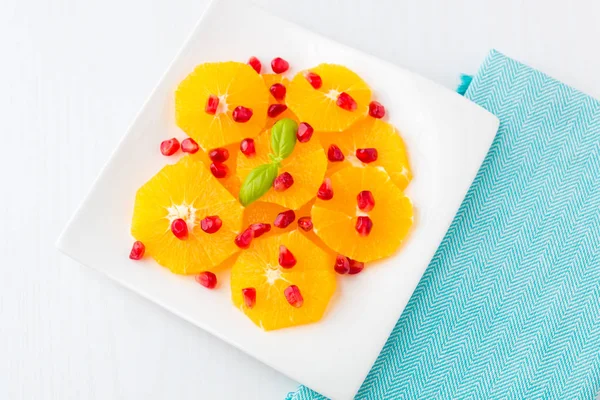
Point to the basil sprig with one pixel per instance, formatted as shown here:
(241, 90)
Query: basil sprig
(260, 179)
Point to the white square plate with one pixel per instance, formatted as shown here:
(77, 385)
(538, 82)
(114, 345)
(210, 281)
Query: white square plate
(447, 138)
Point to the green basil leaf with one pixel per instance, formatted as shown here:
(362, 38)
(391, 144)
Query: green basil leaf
(283, 137)
(257, 183)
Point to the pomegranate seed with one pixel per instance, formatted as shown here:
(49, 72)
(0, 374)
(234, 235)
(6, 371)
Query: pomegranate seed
(314, 80)
(365, 200)
(366, 155)
(278, 91)
(247, 147)
(276, 109)
(242, 114)
(325, 191)
(376, 109)
(249, 297)
(219, 155)
(212, 104)
(355, 266)
(286, 258)
(284, 218)
(207, 279)
(260, 229)
(244, 239)
(179, 228)
(346, 102)
(211, 224)
(364, 226)
(189, 145)
(293, 296)
(279, 65)
(334, 154)
(219, 170)
(169, 147)
(255, 64)
(342, 264)
(283, 182)
(305, 132)
(137, 251)
(305, 223)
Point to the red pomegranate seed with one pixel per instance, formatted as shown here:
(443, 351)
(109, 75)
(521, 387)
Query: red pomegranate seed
(286, 258)
(212, 104)
(293, 296)
(189, 145)
(242, 114)
(244, 239)
(249, 297)
(279, 65)
(342, 264)
(278, 91)
(365, 200)
(247, 147)
(283, 182)
(334, 154)
(305, 132)
(364, 226)
(355, 266)
(314, 80)
(326, 190)
(219, 155)
(366, 155)
(255, 64)
(376, 109)
(276, 109)
(284, 218)
(169, 147)
(219, 170)
(260, 229)
(137, 251)
(211, 224)
(207, 279)
(305, 223)
(179, 228)
(346, 102)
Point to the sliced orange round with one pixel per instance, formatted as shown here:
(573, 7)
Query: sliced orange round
(307, 165)
(274, 297)
(371, 133)
(207, 104)
(231, 181)
(188, 191)
(339, 221)
(322, 107)
(270, 80)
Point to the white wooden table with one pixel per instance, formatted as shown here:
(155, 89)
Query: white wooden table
(73, 75)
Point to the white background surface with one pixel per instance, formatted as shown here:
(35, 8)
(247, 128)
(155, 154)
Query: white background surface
(74, 73)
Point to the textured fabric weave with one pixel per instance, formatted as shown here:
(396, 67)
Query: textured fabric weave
(509, 307)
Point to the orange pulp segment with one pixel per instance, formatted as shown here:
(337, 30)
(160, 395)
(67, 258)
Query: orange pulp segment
(234, 84)
(186, 190)
(335, 220)
(258, 268)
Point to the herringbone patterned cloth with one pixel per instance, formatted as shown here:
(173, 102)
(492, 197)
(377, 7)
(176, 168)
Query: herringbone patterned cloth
(509, 307)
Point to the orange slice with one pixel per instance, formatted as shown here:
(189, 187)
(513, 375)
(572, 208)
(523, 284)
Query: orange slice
(307, 165)
(372, 133)
(335, 220)
(318, 106)
(271, 79)
(234, 84)
(186, 190)
(231, 182)
(258, 268)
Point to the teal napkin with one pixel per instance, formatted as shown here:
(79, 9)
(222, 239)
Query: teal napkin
(509, 307)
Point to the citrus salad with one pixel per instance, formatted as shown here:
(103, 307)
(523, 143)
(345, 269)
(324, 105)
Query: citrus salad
(287, 181)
